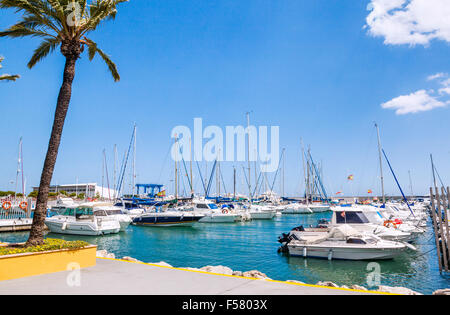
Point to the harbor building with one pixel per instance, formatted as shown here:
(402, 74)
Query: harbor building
(91, 190)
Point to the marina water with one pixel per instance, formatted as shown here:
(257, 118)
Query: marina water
(253, 246)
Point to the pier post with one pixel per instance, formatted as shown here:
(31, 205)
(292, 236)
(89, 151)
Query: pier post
(435, 227)
(446, 235)
(441, 230)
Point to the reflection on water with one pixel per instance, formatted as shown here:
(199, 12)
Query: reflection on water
(253, 245)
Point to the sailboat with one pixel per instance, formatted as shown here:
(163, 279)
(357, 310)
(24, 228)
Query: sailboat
(15, 213)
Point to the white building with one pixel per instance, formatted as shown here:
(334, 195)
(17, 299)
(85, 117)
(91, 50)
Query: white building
(91, 190)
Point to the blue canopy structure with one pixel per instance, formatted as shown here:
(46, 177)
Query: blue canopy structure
(151, 190)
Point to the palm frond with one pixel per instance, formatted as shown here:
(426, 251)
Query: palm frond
(52, 20)
(46, 47)
(20, 30)
(93, 49)
(9, 77)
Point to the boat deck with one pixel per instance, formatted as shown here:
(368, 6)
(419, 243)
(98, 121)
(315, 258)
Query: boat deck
(119, 277)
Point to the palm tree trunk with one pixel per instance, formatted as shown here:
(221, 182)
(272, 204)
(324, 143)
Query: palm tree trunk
(37, 229)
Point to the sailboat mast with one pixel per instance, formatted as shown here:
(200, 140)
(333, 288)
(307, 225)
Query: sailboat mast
(381, 163)
(234, 182)
(176, 168)
(134, 162)
(410, 184)
(21, 167)
(115, 169)
(192, 179)
(248, 156)
(433, 170)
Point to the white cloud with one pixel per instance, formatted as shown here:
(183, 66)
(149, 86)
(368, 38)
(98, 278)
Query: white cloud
(444, 91)
(413, 22)
(419, 101)
(436, 76)
(446, 82)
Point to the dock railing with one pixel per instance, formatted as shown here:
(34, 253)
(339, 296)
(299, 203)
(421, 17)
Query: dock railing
(440, 201)
(10, 208)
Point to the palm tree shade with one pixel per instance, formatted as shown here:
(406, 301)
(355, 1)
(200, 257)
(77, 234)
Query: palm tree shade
(64, 24)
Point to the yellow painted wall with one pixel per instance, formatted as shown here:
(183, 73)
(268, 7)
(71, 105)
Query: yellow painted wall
(32, 264)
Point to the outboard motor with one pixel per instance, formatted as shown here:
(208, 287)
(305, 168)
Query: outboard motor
(286, 238)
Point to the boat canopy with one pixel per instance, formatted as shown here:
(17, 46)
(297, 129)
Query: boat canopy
(343, 232)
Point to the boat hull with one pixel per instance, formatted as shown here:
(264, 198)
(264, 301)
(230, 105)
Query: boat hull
(74, 228)
(316, 251)
(297, 211)
(165, 220)
(262, 215)
(220, 218)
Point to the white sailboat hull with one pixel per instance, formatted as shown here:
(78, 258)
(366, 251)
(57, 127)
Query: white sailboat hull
(262, 215)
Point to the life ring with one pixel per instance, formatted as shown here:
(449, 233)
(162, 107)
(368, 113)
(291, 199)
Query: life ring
(7, 205)
(225, 211)
(23, 205)
(387, 223)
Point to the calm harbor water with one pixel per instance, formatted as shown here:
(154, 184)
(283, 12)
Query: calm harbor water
(253, 245)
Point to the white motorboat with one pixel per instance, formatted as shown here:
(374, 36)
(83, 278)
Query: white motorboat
(130, 208)
(258, 212)
(61, 204)
(212, 213)
(343, 242)
(356, 218)
(296, 208)
(81, 221)
(318, 207)
(113, 212)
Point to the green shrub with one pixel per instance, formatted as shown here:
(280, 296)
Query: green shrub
(49, 244)
(33, 194)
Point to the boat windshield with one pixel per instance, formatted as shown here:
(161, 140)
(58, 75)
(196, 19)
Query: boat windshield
(80, 211)
(351, 217)
(213, 206)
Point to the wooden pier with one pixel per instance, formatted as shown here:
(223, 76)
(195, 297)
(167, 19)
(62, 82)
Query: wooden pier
(440, 201)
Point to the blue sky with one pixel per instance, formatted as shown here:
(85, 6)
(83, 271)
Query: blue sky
(310, 67)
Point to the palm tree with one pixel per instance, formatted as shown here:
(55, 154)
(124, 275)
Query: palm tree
(9, 77)
(64, 24)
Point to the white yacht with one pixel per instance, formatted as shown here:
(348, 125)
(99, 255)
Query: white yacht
(61, 204)
(258, 212)
(113, 212)
(342, 242)
(130, 208)
(318, 207)
(80, 220)
(296, 208)
(356, 218)
(212, 213)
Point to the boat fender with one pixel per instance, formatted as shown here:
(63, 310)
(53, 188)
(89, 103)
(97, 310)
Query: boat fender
(330, 254)
(305, 252)
(64, 226)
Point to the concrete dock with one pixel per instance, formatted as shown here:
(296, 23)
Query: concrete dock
(125, 278)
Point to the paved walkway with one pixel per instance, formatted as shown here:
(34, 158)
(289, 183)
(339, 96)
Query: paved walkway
(118, 277)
